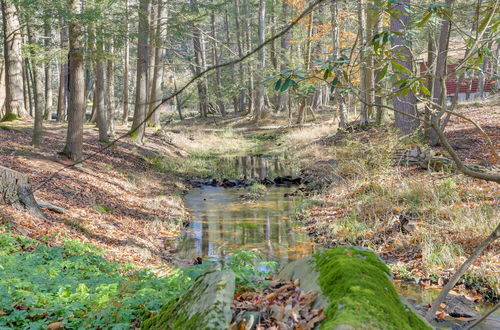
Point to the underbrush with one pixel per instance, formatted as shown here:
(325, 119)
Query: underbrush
(73, 286)
(428, 222)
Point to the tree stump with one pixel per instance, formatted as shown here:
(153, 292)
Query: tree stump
(15, 190)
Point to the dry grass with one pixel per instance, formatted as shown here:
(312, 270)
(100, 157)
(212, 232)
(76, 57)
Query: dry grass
(424, 223)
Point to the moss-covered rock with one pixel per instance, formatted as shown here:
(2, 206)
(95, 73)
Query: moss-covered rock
(206, 305)
(9, 117)
(356, 290)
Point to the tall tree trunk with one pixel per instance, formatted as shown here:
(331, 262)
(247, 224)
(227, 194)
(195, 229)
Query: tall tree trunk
(379, 84)
(110, 90)
(139, 125)
(14, 105)
(405, 104)
(339, 98)
(126, 68)
(48, 72)
(239, 37)
(284, 54)
(215, 61)
(259, 110)
(364, 86)
(248, 32)
(100, 93)
(153, 42)
(28, 85)
(198, 46)
(484, 75)
(76, 108)
(156, 88)
(63, 79)
(26, 91)
(439, 91)
(37, 91)
(232, 69)
(178, 103)
(371, 17)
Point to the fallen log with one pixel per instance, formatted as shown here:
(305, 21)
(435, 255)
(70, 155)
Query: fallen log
(427, 160)
(15, 191)
(52, 207)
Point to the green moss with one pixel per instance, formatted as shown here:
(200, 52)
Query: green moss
(205, 306)
(165, 317)
(10, 128)
(101, 208)
(361, 294)
(9, 116)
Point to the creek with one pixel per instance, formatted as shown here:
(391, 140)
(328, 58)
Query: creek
(223, 221)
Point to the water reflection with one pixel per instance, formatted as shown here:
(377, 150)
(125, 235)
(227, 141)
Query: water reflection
(252, 167)
(222, 222)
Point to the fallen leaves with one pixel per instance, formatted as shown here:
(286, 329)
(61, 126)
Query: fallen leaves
(281, 305)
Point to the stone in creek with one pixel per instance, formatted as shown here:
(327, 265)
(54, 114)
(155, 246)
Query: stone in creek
(267, 182)
(459, 306)
(287, 180)
(206, 305)
(226, 183)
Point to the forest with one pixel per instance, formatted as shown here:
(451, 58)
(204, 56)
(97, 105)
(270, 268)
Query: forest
(249, 164)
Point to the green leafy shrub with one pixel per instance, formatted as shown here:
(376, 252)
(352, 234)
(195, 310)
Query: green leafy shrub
(74, 284)
(250, 267)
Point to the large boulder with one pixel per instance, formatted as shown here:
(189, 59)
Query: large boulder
(206, 305)
(355, 289)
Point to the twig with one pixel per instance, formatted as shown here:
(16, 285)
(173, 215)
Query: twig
(482, 318)
(431, 313)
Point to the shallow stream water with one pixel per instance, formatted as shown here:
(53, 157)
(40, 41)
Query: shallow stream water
(222, 221)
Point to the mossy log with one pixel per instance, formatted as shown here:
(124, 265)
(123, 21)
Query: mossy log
(204, 306)
(427, 160)
(15, 190)
(355, 289)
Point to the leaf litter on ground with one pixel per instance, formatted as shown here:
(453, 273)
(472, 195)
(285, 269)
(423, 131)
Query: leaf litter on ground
(280, 305)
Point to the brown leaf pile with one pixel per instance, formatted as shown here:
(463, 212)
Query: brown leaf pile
(282, 305)
(142, 209)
